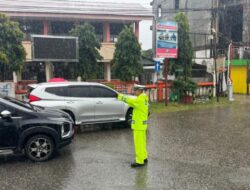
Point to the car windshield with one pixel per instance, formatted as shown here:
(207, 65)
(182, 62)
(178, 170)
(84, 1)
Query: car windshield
(19, 103)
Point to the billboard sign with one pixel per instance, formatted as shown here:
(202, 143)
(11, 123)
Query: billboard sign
(166, 39)
(55, 48)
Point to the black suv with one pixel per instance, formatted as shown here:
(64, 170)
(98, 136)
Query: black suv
(36, 131)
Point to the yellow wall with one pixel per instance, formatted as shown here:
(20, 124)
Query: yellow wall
(107, 51)
(239, 79)
(27, 47)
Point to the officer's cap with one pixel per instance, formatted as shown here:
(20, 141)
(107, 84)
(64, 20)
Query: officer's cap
(139, 87)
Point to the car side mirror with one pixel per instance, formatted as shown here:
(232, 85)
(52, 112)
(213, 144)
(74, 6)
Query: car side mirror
(6, 114)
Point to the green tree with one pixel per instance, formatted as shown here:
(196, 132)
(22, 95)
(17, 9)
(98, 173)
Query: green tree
(127, 55)
(185, 50)
(89, 55)
(148, 53)
(12, 53)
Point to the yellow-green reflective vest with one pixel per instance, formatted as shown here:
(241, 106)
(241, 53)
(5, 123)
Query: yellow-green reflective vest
(140, 110)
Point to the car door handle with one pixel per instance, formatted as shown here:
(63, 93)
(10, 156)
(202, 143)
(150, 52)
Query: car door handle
(70, 102)
(99, 102)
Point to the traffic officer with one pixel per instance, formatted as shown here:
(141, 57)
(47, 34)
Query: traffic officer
(139, 123)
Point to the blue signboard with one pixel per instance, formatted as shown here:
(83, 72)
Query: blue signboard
(157, 66)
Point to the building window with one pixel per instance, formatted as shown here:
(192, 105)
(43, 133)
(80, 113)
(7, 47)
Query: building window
(61, 28)
(30, 27)
(159, 11)
(115, 29)
(98, 30)
(177, 4)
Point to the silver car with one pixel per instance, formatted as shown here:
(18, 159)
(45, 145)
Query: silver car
(87, 103)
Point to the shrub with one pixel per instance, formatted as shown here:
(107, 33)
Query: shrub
(183, 87)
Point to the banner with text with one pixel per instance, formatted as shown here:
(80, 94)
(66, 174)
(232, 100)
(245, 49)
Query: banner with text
(166, 39)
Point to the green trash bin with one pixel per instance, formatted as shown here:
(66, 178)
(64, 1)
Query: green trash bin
(174, 97)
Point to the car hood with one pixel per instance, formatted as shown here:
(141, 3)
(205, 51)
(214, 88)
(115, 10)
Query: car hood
(53, 113)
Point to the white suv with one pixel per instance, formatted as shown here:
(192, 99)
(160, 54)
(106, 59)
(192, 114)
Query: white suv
(87, 103)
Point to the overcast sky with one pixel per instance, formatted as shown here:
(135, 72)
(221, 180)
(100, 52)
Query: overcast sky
(145, 32)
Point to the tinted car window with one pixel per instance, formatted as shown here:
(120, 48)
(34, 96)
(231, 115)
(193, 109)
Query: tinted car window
(18, 103)
(80, 91)
(59, 91)
(2, 108)
(15, 106)
(102, 92)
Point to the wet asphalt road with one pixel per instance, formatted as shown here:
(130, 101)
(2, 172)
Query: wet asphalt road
(193, 150)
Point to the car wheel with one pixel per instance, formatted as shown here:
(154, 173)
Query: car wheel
(129, 118)
(39, 148)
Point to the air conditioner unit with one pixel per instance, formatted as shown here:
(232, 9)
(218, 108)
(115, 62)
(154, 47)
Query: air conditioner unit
(246, 52)
(246, 48)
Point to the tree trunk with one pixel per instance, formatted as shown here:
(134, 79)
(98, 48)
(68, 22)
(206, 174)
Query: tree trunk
(2, 72)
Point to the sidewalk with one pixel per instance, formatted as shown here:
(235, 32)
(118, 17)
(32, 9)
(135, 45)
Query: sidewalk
(242, 99)
(176, 107)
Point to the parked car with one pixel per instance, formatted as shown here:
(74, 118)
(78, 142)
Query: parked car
(86, 103)
(35, 131)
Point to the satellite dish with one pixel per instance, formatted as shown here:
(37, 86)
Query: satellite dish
(204, 62)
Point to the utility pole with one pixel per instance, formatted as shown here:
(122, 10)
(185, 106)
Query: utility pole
(214, 32)
(247, 77)
(215, 67)
(166, 81)
(247, 70)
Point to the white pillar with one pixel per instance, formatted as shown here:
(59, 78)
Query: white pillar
(107, 72)
(17, 76)
(79, 79)
(154, 77)
(214, 84)
(48, 71)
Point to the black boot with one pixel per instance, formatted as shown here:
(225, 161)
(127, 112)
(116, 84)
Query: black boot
(135, 165)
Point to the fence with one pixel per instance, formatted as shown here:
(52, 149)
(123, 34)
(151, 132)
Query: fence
(155, 92)
(21, 88)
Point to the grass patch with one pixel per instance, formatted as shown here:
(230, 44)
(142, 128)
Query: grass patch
(175, 107)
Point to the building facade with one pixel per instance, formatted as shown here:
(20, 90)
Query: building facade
(227, 20)
(199, 16)
(234, 20)
(58, 17)
(230, 19)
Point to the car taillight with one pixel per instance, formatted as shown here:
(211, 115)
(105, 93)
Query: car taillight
(33, 98)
